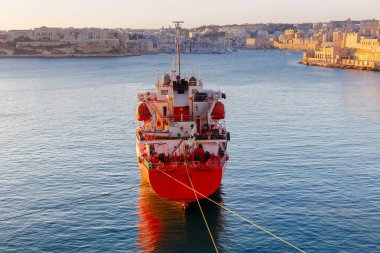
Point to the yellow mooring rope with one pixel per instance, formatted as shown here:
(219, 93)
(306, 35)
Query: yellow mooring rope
(200, 208)
(234, 213)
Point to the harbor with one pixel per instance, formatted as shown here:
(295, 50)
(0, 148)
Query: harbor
(203, 126)
(337, 44)
(303, 162)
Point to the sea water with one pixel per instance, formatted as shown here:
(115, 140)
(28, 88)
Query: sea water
(304, 157)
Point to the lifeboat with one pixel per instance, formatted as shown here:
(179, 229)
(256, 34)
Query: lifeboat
(143, 113)
(218, 111)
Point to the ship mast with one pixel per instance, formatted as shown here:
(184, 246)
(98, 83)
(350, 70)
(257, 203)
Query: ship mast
(178, 44)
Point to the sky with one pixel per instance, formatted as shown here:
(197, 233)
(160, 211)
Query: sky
(24, 14)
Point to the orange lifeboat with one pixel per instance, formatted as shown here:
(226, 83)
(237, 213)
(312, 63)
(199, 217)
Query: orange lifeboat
(143, 113)
(218, 111)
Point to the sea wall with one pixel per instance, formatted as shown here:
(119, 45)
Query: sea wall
(343, 63)
(295, 46)
(91, 48)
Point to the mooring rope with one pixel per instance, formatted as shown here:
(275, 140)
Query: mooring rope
(191, 188)
(200, 208)
(67, 203)
(238, 215)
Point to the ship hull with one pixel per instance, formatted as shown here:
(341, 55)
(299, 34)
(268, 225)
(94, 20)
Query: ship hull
(174, 183)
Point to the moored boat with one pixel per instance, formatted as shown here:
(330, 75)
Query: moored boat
(181, 144)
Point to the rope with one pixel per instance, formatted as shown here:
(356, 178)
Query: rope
(191, 188)
(238, 215)
(200, 208)
(66, 203)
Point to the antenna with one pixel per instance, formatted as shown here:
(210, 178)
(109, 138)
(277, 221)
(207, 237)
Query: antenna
(178, 44)
(173, 68)
(199, 71)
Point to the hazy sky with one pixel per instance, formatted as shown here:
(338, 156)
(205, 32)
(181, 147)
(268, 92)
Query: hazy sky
(20, 14)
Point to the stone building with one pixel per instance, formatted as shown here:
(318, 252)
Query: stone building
(351, 40)
(331, 53)
(337, 38)
(370, 42)
(290, 34)
(254, 43)
(15, 34)
(46, 33)
(370, 27)
(89, 34)
(4, 36)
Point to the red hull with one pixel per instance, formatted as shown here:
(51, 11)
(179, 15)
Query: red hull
(174, 184)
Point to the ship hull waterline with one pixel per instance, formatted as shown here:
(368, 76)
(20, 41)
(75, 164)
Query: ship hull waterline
(174, 184)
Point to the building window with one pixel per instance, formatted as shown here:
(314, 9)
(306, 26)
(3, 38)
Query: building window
(164, 92)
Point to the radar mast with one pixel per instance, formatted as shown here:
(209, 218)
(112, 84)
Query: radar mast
(178, 44)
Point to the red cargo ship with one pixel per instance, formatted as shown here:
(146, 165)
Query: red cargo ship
(181, 143)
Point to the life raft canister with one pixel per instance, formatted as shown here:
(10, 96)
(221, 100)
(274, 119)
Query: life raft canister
(143, 113)
(218, 111)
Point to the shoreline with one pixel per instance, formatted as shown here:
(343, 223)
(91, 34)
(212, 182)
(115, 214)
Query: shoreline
(337, 66)
(110, 55)
(68, 56)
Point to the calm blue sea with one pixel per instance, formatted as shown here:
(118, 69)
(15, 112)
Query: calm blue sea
(305, 157)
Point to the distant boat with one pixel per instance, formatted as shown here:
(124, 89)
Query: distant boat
(181, 145)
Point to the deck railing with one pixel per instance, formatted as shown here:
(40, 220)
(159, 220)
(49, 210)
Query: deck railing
(174, 165)
(152, 136)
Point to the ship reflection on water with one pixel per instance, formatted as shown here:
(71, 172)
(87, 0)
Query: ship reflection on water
(165, 227)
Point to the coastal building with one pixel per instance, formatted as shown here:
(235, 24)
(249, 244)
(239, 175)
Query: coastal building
(45, 33)
(256, 43)
(262, 34)
(139, 44)
(338, 57)
(193, 35)
(89, 34)
(370, 27)
(337, 37)
(317, 25)
(354, 41)
(369, 42)
(360, 37)
(327, 37)
(289, 34)
(299, 44)
(4, 36)
(351, 40)
(235, 31)
(237, 34)
(148, 46)
(355, 52)
(331, 54)
(300, 34)
(16, 34)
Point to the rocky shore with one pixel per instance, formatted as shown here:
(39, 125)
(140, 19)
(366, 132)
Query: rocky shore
(337, 65)
(59, 49)
(103, 55)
